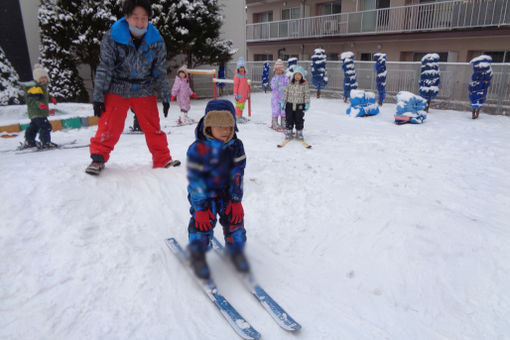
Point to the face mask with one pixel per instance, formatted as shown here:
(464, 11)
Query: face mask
(137, 31)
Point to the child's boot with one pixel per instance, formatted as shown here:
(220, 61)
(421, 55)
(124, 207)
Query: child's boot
(274, 123)
(283, 125)
(28, 144)
(240, 262)
(199, 264)
(299, 134)
(288, 134)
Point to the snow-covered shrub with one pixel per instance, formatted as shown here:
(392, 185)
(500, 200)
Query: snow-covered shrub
(291, 63)
(410, 108)
(319, 72)
(350, 82)
(363, 104)
(380, 68)
(480, 82)
(429, 77)
(265, 76)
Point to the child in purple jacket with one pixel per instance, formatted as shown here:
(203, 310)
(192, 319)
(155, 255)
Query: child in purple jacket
(278, 84)
(182, 91)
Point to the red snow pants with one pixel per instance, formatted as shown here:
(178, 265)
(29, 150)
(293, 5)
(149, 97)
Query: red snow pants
(111, 125)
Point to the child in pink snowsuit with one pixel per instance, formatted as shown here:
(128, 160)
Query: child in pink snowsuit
(182, 91)
(241, 87)
(278, 84)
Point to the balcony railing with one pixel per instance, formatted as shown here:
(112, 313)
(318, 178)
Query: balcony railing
(437, 16)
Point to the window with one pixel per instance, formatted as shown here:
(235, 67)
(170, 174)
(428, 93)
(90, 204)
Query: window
(327, 8)
(365, 56)
(333, 56)
(262, 57)
(288, 56)
(498, 56)
(262, 17)
(443, 56)
(291, 13)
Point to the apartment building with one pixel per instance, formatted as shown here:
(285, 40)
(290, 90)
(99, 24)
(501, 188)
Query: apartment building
(405, 30)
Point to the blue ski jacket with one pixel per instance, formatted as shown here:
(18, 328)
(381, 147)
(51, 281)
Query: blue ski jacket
(128, 71)
(215, 169)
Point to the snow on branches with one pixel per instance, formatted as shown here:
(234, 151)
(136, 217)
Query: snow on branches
(10, 90)
(480, 82)
(350, 82)
(429, 77)
(319, 72)
(380, 68)
(265, 76)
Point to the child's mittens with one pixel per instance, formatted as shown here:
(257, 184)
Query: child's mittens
(282, 105)
(307, 106)
(194, 95)
(203, 220)
(44, 106)
(237, 211)
(53, 100)
(52, 112)
(172, 99)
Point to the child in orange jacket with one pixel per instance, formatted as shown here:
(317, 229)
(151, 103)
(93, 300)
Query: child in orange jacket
(241, 87)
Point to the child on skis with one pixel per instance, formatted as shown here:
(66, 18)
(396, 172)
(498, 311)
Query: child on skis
(278, 84)
(216, 162)
(241, 88)
(182, 91)
(295, 102)
(38, 110)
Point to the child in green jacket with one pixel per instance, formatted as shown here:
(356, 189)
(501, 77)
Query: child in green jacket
(38, 110)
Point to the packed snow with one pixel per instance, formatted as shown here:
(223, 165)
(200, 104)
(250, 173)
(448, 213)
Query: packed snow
(378, 232)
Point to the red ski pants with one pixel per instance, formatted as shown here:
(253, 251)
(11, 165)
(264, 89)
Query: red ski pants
(111, 125)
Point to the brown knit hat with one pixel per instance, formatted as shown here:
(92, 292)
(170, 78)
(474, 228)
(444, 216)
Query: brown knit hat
(221, 118)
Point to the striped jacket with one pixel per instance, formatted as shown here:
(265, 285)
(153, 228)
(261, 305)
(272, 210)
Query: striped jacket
(128, 71)
(215, 170)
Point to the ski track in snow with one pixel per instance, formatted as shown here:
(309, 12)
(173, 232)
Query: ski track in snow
(378, 232)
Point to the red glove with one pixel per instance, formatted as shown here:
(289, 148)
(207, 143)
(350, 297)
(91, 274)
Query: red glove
(237, 211)
(53, 100)
(203, 220)
(172, 99)
(44, 106)
(52, 112)
(194, 95)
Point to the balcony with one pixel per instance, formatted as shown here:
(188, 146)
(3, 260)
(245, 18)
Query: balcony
(437, 16)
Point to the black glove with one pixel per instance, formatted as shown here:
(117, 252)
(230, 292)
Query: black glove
(166, 107)
(98, 109)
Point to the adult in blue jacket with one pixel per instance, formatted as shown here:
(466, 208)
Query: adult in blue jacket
(132, 66)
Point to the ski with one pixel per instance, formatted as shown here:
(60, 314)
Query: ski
(238, 323)
(282, 318)
(282, 144)
(63, 146)
(305, 144)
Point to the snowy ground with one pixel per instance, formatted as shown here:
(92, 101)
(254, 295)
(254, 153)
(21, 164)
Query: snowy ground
(378, 232)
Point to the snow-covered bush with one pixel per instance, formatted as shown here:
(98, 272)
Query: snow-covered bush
(291, 63)
(363, 104)
(350, 82)
(410, 108)
(265, 76)
(10, 90)
(380, 68)
(429, 77)
(480, 82)
(319, 72)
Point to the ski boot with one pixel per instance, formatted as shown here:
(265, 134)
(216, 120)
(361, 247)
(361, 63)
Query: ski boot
(49, 145)
(283, 124)
(240, 262)
(199, 264)
(173, 163)
(299, 135)
(27, 145)
(274, 123)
